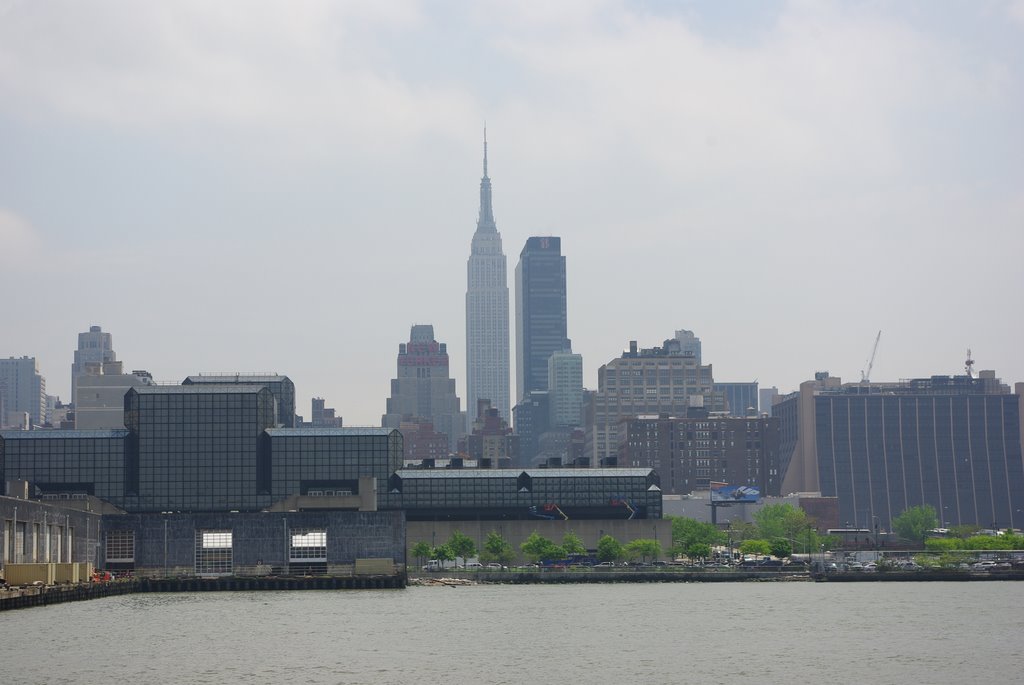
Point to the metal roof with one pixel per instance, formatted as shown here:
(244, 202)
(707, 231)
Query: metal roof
(314, 432)
(62, 434)
(197, 389)
(231, 378)
(532, 473)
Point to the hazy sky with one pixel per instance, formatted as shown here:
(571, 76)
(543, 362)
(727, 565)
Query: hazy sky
(258, 186)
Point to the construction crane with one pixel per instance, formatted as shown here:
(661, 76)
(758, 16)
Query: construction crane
(865, 376)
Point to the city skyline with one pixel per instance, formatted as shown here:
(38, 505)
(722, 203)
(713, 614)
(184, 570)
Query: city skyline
(826, 170)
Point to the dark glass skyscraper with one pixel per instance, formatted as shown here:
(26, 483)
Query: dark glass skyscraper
(540, 312)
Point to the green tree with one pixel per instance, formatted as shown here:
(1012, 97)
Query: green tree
(539, 548)
(461, 545)
(497, 549)
(687, 532)
(943, 544)
(964, 531)
(914, 523)
(643, 548)
(443, 553)
(759, 547)
(421, 550)
(781, 548)
(741, 530)
(571, 544)
(780, 521)
(609, 549)
(698, 550)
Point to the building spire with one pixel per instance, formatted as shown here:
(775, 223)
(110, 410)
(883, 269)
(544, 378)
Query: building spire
(485, 222)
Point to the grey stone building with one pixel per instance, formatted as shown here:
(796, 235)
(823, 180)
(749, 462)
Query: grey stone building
(487, 337)
(423, 390)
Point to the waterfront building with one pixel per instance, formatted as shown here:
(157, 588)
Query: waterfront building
(691, 452)
(660, 380)
(24, 392)
(953, 442)
(207, 448)
(34, 531)
(281, 388)
(487, 339)
(517, 494)
(94, 347)
(740, 398)
(100, 389)
(203, 447)
(540, 312)
(253, 544)
(423, 390)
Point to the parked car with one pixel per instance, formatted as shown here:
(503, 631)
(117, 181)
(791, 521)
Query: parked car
(496, 567)
(605, 564)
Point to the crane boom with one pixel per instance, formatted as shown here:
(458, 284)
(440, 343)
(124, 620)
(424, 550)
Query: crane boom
(865, 376)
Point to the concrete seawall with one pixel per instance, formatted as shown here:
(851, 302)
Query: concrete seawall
(22, 598)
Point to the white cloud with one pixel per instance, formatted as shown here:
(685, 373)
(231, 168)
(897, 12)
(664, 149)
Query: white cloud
(311, 72)
(831, 158)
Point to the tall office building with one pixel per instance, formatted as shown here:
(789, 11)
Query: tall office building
(952, 442)
(659, 380)
(24, 391)
(94, 347)
(423, 391)
(487, 372)
(540, 312)
(565, 389)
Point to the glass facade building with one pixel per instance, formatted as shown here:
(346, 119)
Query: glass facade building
(540, 312)
(200, 448)
(205, 449)
(322, 459)
(197, 447)
(442, 494)
(66, 462)
(281, 387)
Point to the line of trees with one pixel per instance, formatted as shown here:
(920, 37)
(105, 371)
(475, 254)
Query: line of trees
(778, 530)
(536, 548)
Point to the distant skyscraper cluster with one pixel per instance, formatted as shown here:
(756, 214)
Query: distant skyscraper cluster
(955, 443)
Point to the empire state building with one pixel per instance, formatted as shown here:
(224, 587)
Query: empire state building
(487, 364)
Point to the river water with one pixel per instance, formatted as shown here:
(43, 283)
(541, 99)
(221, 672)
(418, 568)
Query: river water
(623, 633)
